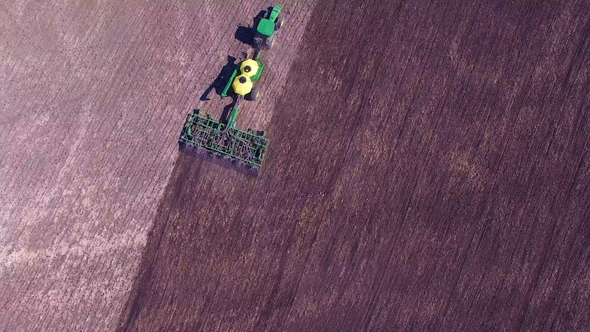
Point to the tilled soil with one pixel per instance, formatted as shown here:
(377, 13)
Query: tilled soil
(428, 170)
(93, 96)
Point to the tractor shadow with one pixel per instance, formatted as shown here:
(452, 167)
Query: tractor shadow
(221, 80)
(245, 34)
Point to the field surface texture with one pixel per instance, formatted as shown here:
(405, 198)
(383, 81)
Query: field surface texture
(429, 168)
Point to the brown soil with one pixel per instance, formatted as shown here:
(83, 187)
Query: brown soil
(428, 170)
(93, 96)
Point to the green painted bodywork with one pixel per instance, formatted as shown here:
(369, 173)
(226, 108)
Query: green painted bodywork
(276, 11)
(230, 81)
(266, 26)
(256, 76)
(233, 116)
(204, 133)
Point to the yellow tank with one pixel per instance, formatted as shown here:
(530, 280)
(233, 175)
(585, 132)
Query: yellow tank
(242, 85)
(249, 67)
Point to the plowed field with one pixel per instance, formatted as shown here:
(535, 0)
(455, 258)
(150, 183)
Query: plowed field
(428, 170)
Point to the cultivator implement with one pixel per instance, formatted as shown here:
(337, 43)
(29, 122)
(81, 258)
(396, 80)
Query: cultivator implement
(243, 148)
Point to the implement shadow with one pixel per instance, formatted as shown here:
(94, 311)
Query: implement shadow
(188, 172)
(222, 79)
(172, 234)
(225, 162)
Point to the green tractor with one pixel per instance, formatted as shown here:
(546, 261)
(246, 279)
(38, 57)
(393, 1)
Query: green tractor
(267, 26)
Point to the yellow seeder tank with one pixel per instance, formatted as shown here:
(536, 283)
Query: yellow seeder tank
(249, 67)
(242, 85)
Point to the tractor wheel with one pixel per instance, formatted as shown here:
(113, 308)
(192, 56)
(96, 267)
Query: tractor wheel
(279, 23)
(269, 42)
(254, 94)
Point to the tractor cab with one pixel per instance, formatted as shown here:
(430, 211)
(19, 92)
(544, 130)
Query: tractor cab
(267, 26)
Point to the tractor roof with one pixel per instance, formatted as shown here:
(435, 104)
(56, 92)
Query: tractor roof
(266, 27)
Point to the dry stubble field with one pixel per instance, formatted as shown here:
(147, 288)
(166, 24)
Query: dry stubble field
(93, 96)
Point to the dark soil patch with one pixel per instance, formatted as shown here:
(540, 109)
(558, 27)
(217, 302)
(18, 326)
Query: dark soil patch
(428, 170)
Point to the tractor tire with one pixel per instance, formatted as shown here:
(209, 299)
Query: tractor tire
(255, 94)
(279, 23)
(269, 42)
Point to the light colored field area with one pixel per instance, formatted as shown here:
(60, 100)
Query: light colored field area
(93, 96)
